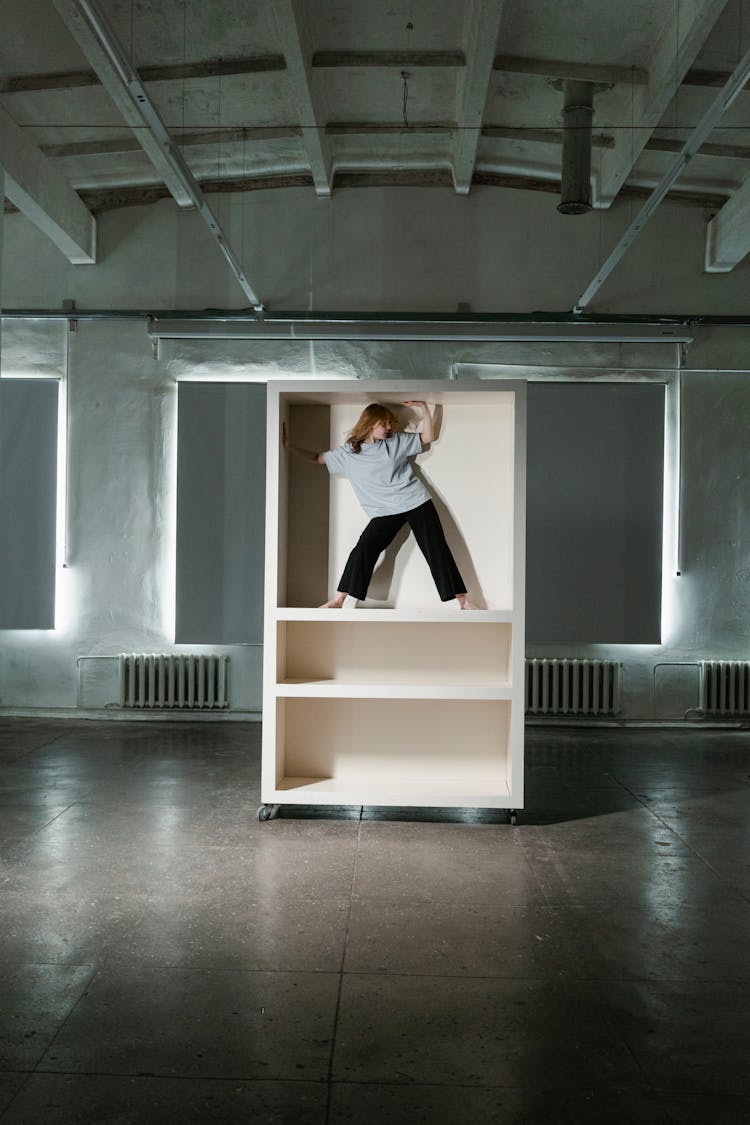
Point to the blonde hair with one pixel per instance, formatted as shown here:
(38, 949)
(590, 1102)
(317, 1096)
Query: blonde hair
(370, 417)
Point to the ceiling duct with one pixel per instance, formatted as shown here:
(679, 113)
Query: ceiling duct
(578, 116)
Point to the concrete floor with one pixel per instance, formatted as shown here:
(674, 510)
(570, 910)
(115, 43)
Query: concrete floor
(167, 958)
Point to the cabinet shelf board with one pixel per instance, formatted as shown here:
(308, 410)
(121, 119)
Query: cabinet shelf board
(490, 793)
(440, 616)
(338, 689)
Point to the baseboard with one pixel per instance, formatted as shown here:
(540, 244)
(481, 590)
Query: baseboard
(128, 714)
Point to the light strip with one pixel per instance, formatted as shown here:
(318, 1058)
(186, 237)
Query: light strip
(461, 331)
(63, 576)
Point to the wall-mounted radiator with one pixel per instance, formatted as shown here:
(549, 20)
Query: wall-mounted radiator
(148, 680)
(573, 687)
(725, 687)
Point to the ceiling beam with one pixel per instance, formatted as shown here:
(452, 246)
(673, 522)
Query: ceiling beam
(698, 76)
(45, 197)
(541, 136)
(482, 19)
(240, 135)
(606, 140)
(708, 122)
(644, 106)
(400, 59)
(575, 71)
(123, 85)
(211, 68)
(375, 128)
(734, 152)
(231, 135)
(99, 200)
(728, 233)
(120, 79)
(265, 64)
(289, 19)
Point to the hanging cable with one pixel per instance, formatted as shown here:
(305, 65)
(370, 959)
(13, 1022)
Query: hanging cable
(600, 207)
(184, 65)
(632, 135)
(218, 145)
(677, 70)
(243, 201)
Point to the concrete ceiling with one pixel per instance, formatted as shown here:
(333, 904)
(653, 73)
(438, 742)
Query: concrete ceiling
(109, 103)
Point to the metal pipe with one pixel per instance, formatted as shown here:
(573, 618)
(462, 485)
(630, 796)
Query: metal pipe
(687, 320)
(220, 316)
(578, 115)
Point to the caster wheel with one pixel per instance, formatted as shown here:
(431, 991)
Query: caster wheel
(264, 812)
(513, 816)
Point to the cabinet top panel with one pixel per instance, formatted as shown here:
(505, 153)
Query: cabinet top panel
(355, 392)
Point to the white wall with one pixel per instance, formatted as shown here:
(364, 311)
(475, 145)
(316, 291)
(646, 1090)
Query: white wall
(415, 249)
(116, 591)
(389, 249)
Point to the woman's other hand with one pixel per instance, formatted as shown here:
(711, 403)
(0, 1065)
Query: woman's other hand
(426, 426)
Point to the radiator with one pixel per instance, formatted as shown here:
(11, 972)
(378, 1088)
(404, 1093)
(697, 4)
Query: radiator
(180, 681)
(573, 687)
(725, 687)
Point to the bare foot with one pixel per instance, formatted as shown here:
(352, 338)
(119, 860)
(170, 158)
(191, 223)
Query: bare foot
(464, 602)
(335, 603)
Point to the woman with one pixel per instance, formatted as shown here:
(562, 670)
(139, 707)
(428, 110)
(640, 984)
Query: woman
(377, 459)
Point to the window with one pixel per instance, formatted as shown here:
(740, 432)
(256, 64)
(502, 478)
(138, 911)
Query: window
(221, 432)
(594, 512)
(28, 501)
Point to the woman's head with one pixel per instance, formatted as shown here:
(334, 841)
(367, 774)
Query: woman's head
(375, 421)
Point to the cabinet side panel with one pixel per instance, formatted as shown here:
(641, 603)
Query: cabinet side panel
(307, 541)
(274, 582)
(277, 488)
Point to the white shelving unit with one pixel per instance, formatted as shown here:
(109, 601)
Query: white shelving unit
(404, 700)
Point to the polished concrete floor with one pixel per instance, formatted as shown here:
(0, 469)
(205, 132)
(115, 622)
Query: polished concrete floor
(167, 958)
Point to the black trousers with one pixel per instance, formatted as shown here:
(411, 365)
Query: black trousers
(382, 530)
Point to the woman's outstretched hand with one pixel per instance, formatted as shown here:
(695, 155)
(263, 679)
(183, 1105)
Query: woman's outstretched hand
(304, 454)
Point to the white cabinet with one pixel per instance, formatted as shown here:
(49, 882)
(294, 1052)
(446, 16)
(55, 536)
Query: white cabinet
(402, 700)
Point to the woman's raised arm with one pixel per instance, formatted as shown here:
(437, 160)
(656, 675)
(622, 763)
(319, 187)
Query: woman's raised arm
(427, 429)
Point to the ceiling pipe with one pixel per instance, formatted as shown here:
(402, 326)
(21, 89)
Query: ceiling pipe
(578, 117)
(553, 319)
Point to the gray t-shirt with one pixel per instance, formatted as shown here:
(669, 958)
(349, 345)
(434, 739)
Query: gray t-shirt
(382, 474)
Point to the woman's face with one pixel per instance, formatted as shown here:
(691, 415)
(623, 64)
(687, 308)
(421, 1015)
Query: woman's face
(380, 431)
